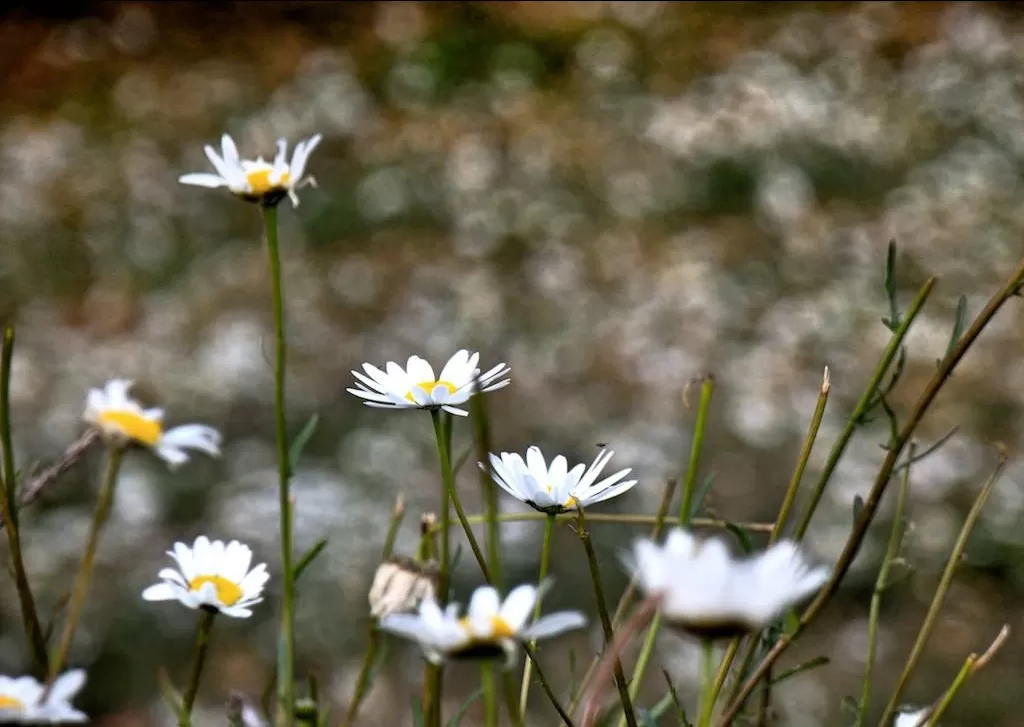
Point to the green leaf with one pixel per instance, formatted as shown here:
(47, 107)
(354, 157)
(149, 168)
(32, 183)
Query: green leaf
(701, 494)
(461, 711)
(463, 458)
(301, 440)
(959, 321)
(417, 712)
(307, 558)
(680, 710)
(742, 537)
(801, 668)
(171, 696)
(889, 282)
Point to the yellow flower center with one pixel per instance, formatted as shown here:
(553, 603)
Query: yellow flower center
(500, 629)
(9, 702)
(429, 386)
(133, 425)
(228, 593)
(259, 180)
(571, 503)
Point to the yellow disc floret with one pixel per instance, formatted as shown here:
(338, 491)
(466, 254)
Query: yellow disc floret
(228, 592)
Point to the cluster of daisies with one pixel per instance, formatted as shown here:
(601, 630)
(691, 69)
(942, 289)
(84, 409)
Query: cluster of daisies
(699, 587)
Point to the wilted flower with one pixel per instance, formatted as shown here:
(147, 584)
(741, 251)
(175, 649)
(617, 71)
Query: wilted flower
(706, 592)
(121, 420)
(400, 584)
(556, 488)
(416, 387)
(259, 180)
(21, 699)
(212, 575)
(489, 630)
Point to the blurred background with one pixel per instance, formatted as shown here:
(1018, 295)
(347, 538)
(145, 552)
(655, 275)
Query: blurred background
(612, 197)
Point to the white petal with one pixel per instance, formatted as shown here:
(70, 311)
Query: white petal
(194, 436)
(201, 179)
(554, 624)
(67, 686)
(518, 605)
(161, 592)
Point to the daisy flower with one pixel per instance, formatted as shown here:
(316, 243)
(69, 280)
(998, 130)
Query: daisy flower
(416, 386)
(489, 630)
(709, 594)
(121, 420)
(401, 584)
(257, 181)
(21, 699)
(912, 718)
(556, 488)
(213, 576)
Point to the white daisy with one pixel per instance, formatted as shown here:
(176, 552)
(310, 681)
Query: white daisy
(212, 576)
(416, 387)
(401, 584)
(489, 630)
(556, 488)
(121, 419)
(912, 718)
(706, 592)
(21, 699)
(257, 181)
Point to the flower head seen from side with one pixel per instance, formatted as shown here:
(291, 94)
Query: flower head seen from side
(416, 386)
(263, 182)
(213, 576)
(21, 699)
(912, 718)
(121, 420)
(709, 594)
(491, 629)
(555, 488)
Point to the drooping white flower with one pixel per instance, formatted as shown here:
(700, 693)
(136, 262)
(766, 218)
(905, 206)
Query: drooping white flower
(257, 181)
(121, 419)
(212, 575)
(708, 593)
(416, 386)
(912, 718)
(400, 584)
(21, 699)
(489, 630)
(556, 488)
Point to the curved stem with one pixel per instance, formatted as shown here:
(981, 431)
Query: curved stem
(707, 388)
(545, 555)
(707, 683)
(188, 699)
(286, 659)
(81, 586)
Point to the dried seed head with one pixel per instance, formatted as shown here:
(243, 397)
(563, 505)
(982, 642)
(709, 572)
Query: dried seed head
(400, 584)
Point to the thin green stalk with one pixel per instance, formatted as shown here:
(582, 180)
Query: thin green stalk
(940, 593)
(546, 687)
(602, 610)
(945, 369)
(81, 585)
(862, 407)
(707, 388)
(206, 617)
(482, 443)
(881, 584)
(622, 519)
(286, 660)
(707, 683)
(805, 455)
(971, 666)
(373, 635)
(627, 598)
(545, 555)
(780, 523)
(9, 511)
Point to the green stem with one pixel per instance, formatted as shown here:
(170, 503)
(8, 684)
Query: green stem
(881, 584)
(801, 463)
(707, 683)
(286, 660)
(9, 511)
(707, 388)
(865, 403)
(482, 441)
(546, 687)
(602, 610)
(940, 592)
(206, 617)
(373, 636)
(946, 367)
(545, 555)
(81, 585)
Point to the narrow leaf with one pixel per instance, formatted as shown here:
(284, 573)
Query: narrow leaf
(301, 440)
(701, 494)
(959, 321)
(456, 718)
(307, 558)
